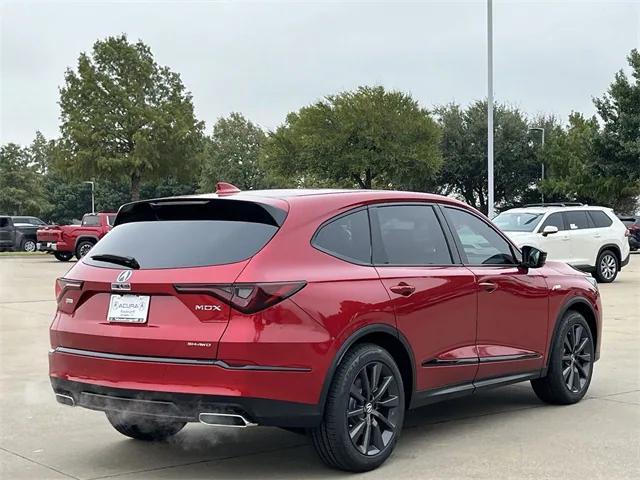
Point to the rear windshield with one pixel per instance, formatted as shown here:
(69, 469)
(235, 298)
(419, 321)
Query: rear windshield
(178, 236)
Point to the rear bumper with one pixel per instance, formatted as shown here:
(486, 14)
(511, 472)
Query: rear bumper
(46, 246)
(625, 261)
(184, 390)
(187, 407)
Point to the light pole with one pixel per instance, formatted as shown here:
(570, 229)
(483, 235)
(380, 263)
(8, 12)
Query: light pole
(490, 209)
(540, 129)
(93, 198)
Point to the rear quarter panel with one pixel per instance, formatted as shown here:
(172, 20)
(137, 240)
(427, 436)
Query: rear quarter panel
(339, 299)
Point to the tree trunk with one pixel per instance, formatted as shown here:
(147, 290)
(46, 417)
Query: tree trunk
(135, 187)
(367, 178)
(357, 178)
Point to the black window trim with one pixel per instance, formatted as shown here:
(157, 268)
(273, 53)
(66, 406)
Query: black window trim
(515, 251)
(453, 252)
(344, 258)
(593, 222)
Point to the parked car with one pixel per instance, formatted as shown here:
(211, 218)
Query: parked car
(332, 311)
(17, 235)
(68, 240)
(592, 239)
(633, 226)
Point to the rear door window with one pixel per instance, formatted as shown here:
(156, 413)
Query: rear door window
(576, 220)
(409, 235)
(193, 234)
(346, 237)
(600, 219)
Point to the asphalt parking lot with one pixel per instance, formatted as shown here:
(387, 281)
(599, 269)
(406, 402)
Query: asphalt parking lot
(505, 433)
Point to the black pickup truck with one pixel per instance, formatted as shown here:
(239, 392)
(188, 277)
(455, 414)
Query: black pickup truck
(19, 233)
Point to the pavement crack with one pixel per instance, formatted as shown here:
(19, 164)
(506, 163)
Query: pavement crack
(30, 460)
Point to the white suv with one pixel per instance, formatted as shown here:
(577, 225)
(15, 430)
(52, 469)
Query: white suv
(592, 239)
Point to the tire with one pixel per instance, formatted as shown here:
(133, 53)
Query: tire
(63, 256)
(142, 427)
(28, 245)
(373, 438)
(607, 267)
(570, 363)
(83, 248)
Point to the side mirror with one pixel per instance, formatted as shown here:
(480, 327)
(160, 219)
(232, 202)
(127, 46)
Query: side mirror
(532, 257)
(549, 230)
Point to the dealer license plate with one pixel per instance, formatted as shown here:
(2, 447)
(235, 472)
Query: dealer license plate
(128, 308)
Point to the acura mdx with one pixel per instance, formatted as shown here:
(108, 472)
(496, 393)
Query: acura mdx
(326, 311)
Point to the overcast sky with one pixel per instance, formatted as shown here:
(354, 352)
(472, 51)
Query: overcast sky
(265, 59)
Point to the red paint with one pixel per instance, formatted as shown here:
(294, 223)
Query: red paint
(447, 315)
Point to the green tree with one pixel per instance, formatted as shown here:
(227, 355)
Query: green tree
(21, 191)
(601, 165)
(125, 116)
(464, 150)
(618, 145)
(365, 138)
(571, 158)
(233, 153)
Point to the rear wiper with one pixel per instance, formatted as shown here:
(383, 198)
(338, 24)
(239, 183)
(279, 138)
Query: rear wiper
(117, 259)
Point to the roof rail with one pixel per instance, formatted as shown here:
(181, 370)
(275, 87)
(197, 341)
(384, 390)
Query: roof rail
(223, 188)
(555, 204)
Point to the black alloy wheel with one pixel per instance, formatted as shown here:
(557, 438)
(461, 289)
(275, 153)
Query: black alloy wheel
(570, 365)
(364, 411)
(576, 358)
(372, 411)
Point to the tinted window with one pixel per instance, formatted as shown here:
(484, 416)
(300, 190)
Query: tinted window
(111, 219)
(576, 220)
(20, 220)
(90, 221)
(410, 235)
(346, 237)
(175, 244)
(555, 220)
(481, 244)
(600, 219)
(175, 234)
(4, 222)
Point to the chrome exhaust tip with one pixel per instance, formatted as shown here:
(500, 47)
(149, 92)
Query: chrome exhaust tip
(233, 420)
(65, 400)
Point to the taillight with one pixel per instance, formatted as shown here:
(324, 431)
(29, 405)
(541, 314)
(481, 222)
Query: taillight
(246, 297)
(67, 293)
(627, 232)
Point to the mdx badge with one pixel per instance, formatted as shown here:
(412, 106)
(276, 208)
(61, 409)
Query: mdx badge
(121, 282)
(208, 308)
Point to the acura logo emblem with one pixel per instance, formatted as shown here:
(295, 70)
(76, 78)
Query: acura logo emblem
(123, 276)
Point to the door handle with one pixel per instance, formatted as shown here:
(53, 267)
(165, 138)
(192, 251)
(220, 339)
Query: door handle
(403, 289)
(489, 286)
(565, 238)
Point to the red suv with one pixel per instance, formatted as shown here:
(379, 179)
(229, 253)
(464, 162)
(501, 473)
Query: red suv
(330, 311)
